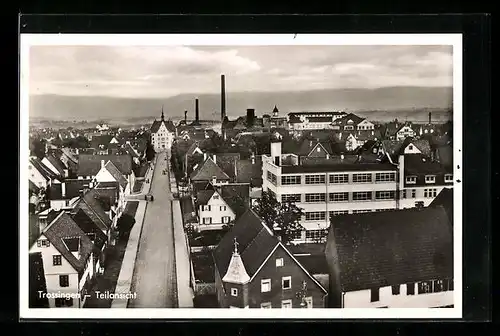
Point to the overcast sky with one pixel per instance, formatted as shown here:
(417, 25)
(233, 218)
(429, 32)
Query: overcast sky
(170, 70)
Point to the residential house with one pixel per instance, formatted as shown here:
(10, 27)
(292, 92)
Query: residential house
(61, 194)
(68, 261)
(102, 127)
(103, 143)
(110, 173)
(391, 259)
(313, 120)
(40, 174)
(253, 269)
(398, 131)
(352, 122)
(313, 151)
(162, 133)
(209, 171)
(52, 162)
(89, 165)
(213, 210)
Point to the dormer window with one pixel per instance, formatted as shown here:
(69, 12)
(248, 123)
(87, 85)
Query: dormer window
(411, 179)
(448, 178)
(430, 178)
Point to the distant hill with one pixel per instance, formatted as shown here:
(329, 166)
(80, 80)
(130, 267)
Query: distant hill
(383, 99)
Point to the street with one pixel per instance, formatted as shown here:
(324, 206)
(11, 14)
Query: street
(154, 278)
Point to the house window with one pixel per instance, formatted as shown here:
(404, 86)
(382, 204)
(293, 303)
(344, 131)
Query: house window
(385, 177)
(424, 287)
(286, 282)
(316, 215)
(414, 193)
(410, 289)
(396, 290)
(286, 303)
(315, 179)
(348, 128)
(226, 219)
(272, 178)
(430, 193)
(291, 198)
(438, 286)
(56, 260)
(315, 198)
(279, 262)
(411, 179)
(361, 211)
(361, 178)
(403, 193)
(374, 295)
(362, 196)
(448, 178)
(430, 178)
(309, 301)
(410, 147)
(291, 179)
(207, 220)
(339, 178)
(315, 234)
(385, 195)
(341, 212)
(234, 291)
(339, 197)
(206, 208)
(43, 243)
(265, 285)
(266, 305)
(64, 280)
(215, 197)
(223, 208)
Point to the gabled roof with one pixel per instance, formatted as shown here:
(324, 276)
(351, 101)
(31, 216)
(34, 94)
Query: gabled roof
(308, 145)
(255, 243)
(391, 247)
(192, 148)
(203, 196)
(207, 170)
(60, 232)
(202, 185)
(418, 164)
(33, 188)
(237, 197)
(423, 145)
(345, 120)
(157, 124)
(87, 225)
(58, 165)
(89, 164)
(130, 150)
(43, 169)
(73, 188)
(227, 162)
(444, 155)
(117, 175)
(101, 141)
(108, 191)
(91, 204)
(67, 152)
(444, 199)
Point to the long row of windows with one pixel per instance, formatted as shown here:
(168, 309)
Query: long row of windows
(308, 302)
(338, 178)
(340, 196)
(272, 178)
(423, 287)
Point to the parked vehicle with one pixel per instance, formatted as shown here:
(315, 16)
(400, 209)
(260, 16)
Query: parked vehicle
(149, 197)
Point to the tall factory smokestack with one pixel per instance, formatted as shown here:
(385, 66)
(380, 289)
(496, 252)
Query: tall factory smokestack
(430, 115)
(185, 116)
(197, 110)
(222, 97)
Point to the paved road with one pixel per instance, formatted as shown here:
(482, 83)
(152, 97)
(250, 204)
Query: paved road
(154, 278)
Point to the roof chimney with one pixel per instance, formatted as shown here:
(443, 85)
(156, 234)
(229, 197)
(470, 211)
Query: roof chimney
(63, 189)
(222, 97)
(215, 158)
(197, 110)
(103, 163)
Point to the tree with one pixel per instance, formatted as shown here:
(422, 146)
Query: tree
(150, 151)
(124, 224)
(282, 218)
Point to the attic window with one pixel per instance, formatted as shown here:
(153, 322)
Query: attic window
(410, 147)
(411, 179)
(234, 291)
(318, 149)
(448, 178)
(430, 179)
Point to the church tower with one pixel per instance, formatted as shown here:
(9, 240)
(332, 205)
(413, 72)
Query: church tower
(275, 112)
(235, 281)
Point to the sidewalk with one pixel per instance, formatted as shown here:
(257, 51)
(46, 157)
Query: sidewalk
(182, 262)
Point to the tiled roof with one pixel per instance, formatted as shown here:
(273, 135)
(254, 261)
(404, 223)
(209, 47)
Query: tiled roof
(67, 152)
(344, 120)
(72, 186)
(237, 196)
(444, 155)
(58, 165)
(130, 150)
(87, 225)
(101, 141)
(203, 196)
(89, 164)
(43, 169)
(117, 175)
(444, 199)
(227, 162)
(418, 164)
(255, 244)
(62, 228)
(183, 146)
(392, 247)
(207, 170)
(92, 206)
(313, 263)
(33, 187)
(109, 193)
(308, 145)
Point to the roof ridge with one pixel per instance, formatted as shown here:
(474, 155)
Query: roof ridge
(52, 222)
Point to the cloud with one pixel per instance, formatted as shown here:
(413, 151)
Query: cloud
(160, 71)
